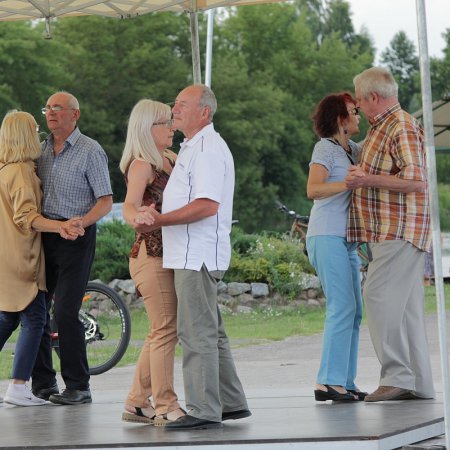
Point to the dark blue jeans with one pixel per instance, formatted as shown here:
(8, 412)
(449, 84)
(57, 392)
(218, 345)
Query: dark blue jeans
(32, 320)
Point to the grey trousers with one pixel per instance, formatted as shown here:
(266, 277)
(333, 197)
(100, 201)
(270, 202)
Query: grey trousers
(211, 383)
(394, 299)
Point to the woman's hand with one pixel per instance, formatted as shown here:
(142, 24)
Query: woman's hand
(72, 228)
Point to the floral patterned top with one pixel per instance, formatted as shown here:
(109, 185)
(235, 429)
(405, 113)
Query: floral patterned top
(153, 194)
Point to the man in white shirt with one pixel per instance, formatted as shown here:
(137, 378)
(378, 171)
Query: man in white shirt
(196, 223)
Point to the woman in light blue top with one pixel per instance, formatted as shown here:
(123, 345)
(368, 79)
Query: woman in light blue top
(336, 261)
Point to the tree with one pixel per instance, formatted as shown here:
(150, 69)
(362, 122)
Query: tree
(115, 64)
(403, 62)
(29, 68)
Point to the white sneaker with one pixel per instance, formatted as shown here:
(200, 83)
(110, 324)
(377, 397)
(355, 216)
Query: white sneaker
(20, 395)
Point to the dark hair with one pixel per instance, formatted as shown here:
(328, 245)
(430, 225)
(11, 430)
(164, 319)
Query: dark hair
(328, 111)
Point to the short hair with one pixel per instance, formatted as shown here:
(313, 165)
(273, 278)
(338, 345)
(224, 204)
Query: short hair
(328, 111)
(208, 99)
(376, 79)
(140, 143)
(72, 100)
(19, 139)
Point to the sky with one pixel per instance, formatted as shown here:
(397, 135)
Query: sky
(384, 18)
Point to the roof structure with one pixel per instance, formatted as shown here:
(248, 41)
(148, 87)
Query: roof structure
(47, 9)
(441, 123)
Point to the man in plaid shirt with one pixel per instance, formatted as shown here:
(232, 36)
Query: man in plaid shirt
(390, 211)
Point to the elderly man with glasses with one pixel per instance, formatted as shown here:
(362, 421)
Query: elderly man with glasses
(73, 169)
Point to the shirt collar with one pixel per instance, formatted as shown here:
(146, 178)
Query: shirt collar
(383, 115)
(71, 139)
(194, 139)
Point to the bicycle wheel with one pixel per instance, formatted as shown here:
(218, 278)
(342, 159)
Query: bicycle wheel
(107, 327)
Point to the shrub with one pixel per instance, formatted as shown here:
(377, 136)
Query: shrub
(276, 260)
(114, 242)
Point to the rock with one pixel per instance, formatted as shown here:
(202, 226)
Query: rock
(127, 286)
(313, 303)
(238, 288)
(227, 300)
(246, 299)
(309, 281)
(311, 293)
(113, 284)
(243, 309)
(221, 287)
(259, 289)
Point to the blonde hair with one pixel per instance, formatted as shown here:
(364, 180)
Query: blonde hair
(19, 140)
(140, 143)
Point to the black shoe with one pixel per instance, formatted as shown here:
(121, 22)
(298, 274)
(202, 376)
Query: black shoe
(233, 415)
(71, 397)
(45, 393)
(361, 395)
(188, 422)
(332, 394)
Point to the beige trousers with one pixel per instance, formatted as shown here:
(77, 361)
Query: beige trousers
(394, 298)
(153, 376)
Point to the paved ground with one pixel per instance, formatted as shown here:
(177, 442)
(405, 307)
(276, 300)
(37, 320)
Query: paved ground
(283, 367)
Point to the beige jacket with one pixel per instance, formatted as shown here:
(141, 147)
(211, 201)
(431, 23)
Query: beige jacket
(22, 265)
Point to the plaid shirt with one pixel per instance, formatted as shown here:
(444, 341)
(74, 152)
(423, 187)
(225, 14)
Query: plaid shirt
(74, 179)
(393, 146)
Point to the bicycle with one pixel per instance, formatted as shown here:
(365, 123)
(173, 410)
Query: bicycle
(298, 231)
(107, 327)
(299, 224)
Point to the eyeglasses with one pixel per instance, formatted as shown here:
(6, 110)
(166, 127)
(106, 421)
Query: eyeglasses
(47, 109)
(354, 111)
(167, 123)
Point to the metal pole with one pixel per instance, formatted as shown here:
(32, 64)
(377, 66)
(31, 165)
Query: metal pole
(209, 42)
(434, 202)
(196, 71)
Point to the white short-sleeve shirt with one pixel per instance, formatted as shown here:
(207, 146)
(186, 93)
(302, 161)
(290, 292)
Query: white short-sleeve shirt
(204, 169)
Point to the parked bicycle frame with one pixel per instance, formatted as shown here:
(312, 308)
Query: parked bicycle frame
(298, 231)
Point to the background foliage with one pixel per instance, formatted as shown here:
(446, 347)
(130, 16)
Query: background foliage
(272, 64)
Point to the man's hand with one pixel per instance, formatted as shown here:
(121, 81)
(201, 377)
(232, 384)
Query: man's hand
(356, 178)
(146, 218)
(72, 228)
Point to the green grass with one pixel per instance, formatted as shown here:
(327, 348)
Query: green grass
(244, 329)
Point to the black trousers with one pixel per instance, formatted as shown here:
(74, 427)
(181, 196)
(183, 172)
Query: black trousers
(68, 266)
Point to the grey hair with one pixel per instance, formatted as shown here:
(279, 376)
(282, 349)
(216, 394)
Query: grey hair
(376, 79)
(208, 99)
(140, 143)
(72, 100)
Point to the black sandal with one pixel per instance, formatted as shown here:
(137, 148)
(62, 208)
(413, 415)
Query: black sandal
(332, 394)
(361, 395)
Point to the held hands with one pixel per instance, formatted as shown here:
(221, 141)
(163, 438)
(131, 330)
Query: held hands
(146, 218)
(72, 228)
(356, 178)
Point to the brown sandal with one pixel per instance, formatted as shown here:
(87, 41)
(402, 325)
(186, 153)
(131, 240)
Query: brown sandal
(162, 420)
(137, 417)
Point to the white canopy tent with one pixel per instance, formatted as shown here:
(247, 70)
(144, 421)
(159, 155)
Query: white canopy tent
(49, 9)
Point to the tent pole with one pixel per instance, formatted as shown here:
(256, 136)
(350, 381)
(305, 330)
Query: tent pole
(434, 203)
(196, 72)
(209, 42)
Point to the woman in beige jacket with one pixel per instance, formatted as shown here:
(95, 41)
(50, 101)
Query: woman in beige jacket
(22, 268)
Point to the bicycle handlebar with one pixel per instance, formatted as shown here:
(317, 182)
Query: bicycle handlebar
(291, 213)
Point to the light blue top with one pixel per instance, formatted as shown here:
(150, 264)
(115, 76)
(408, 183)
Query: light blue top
(329, 215)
